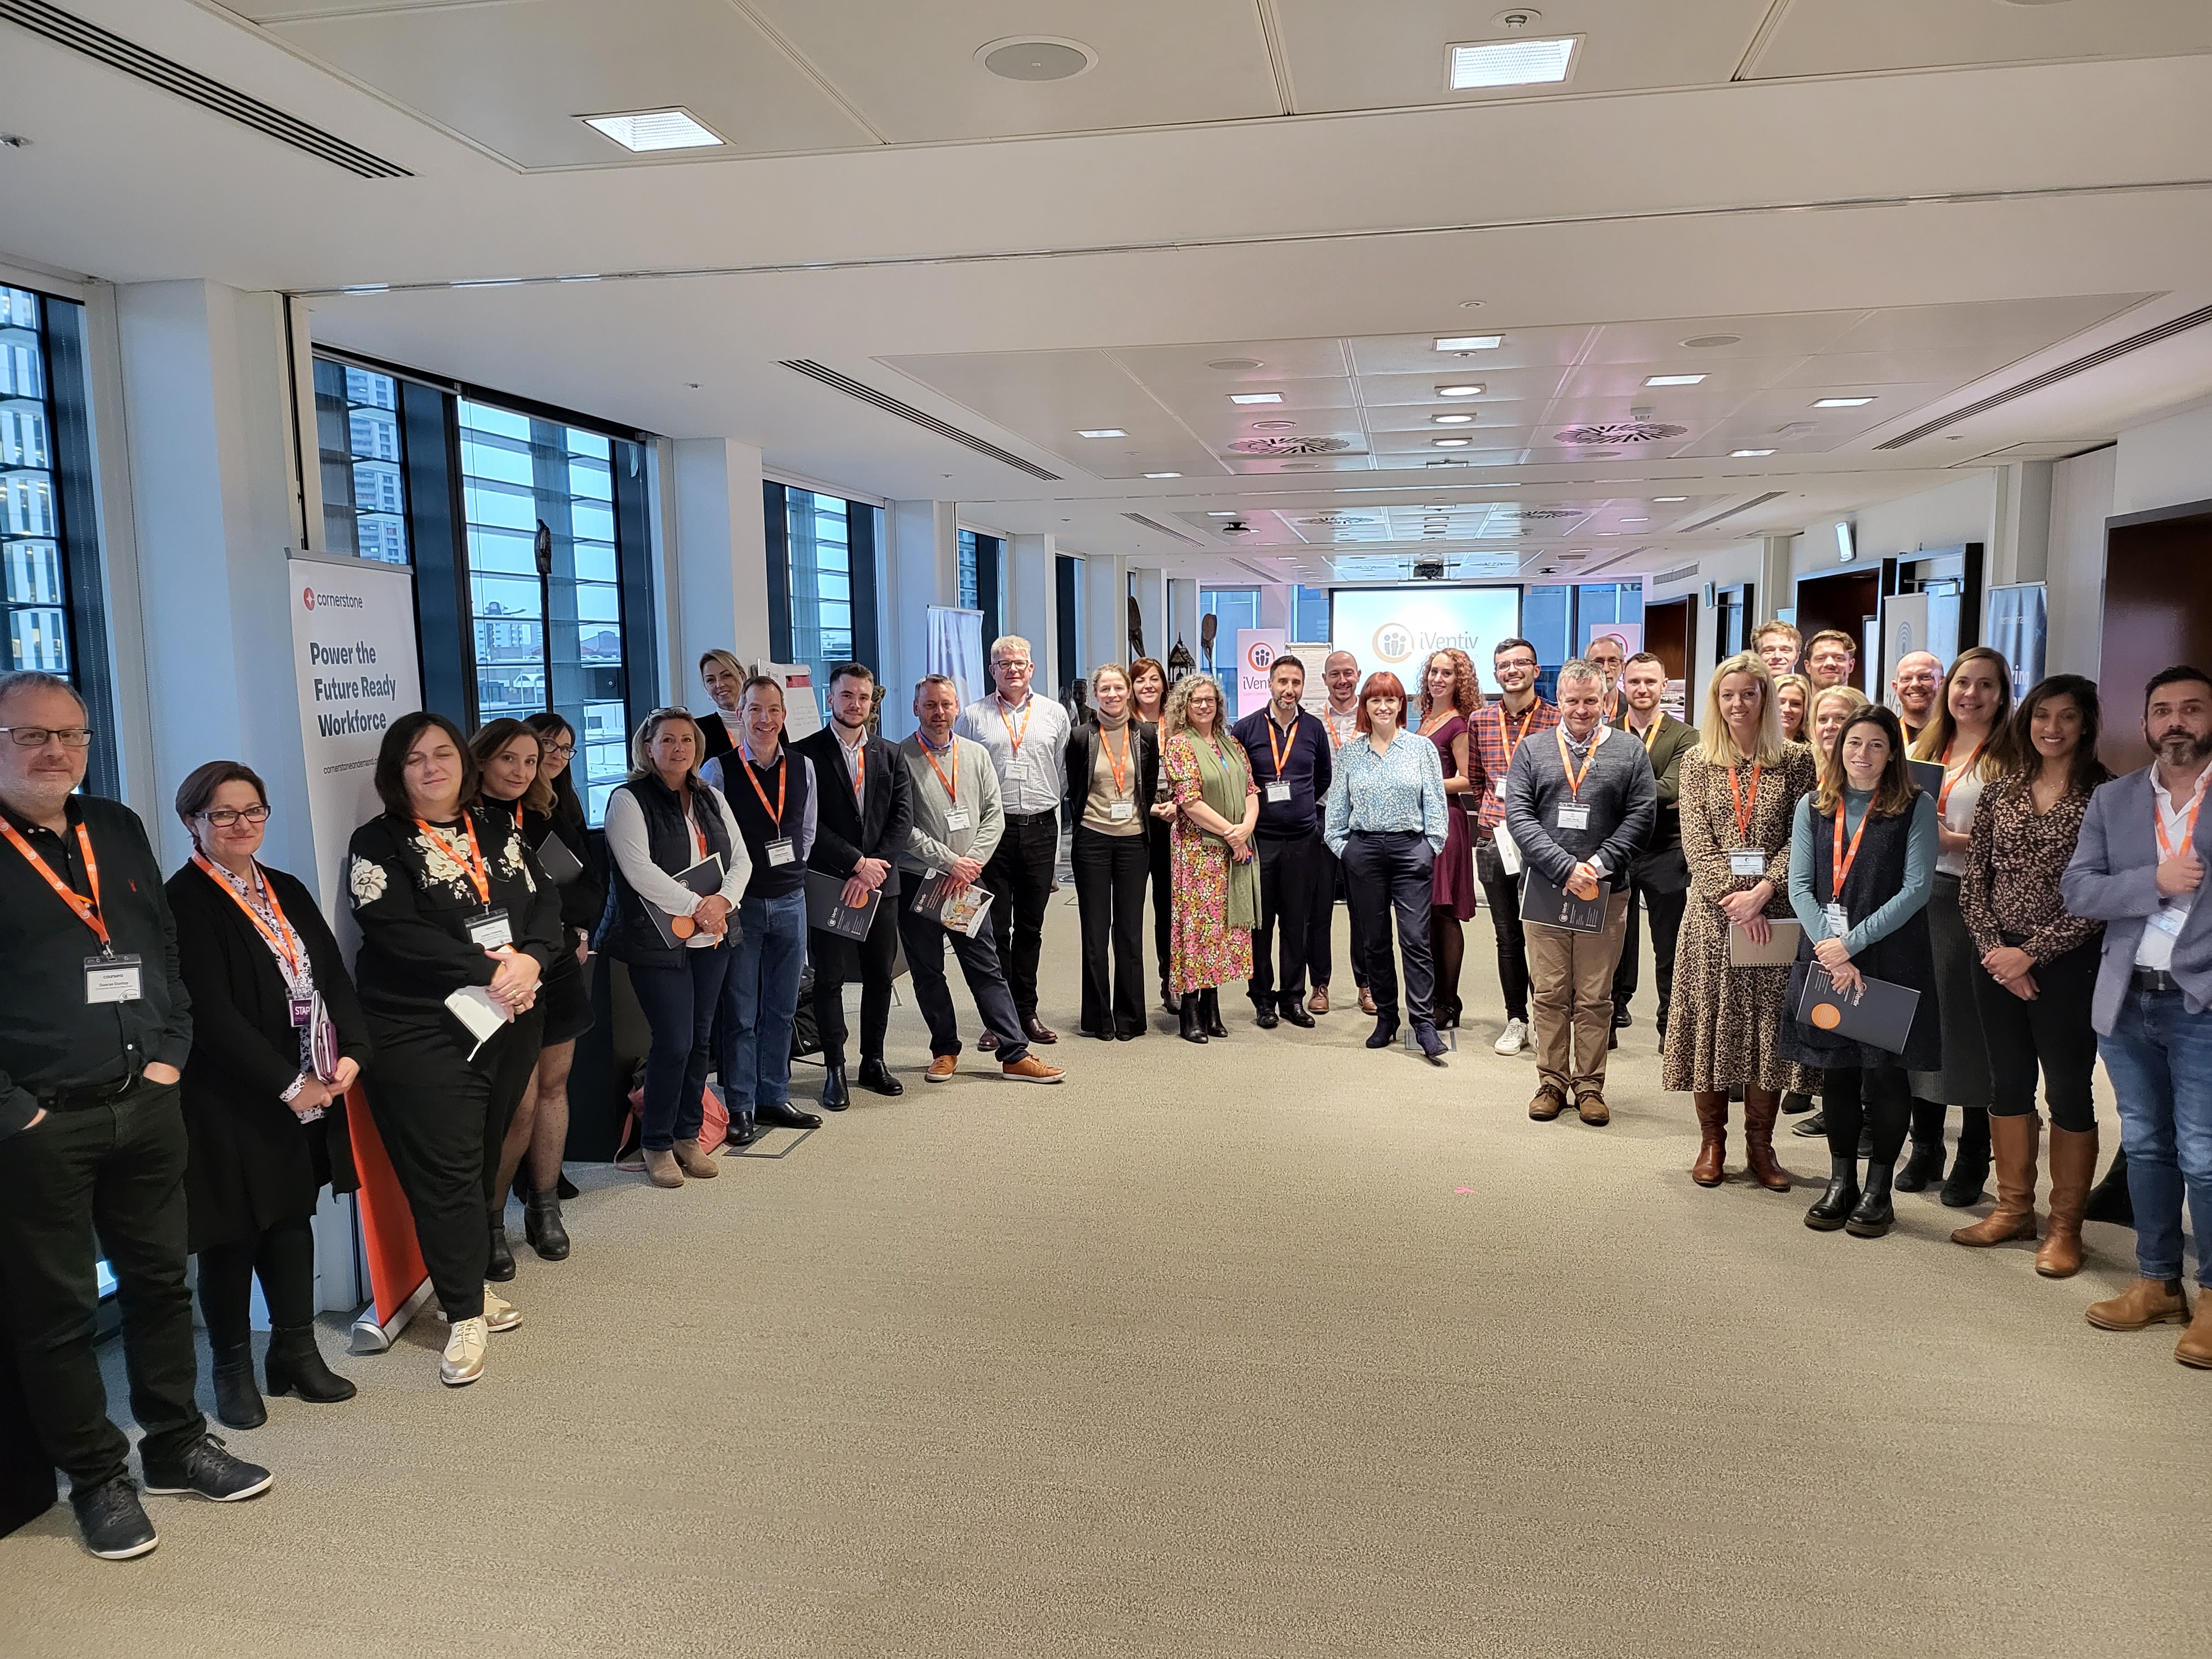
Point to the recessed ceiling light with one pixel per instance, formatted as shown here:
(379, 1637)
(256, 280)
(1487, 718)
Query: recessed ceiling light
(1470, 341)
(1236, 365)
(1746, 454)
(1511, 62)
(1451, 443)
(1217, 514)
(1674, 379)
(1451, 420)
(1707, 342)
(1841, 402)
(1670, 498)
(1102, 432)
(644, 131)
(1462, 390)
(1255, 396)
(1164, 474)
(1636, 521)
(1042, 58)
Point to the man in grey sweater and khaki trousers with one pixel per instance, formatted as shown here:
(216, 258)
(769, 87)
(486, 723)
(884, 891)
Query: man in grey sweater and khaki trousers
(1578, 807)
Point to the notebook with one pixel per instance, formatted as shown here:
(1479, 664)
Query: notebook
(826, 908)
(1779, 951)
(1929, 774)
(702, 878)
(561, 866)
(1543, 905)
(961, 912)
(1880, 1015)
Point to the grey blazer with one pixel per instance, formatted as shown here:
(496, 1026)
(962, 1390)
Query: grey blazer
(2114, 878)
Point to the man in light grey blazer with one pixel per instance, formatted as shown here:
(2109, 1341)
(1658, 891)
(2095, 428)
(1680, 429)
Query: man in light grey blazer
(2139, 867)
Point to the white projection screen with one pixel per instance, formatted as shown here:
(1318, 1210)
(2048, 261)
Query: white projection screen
(1396, 628)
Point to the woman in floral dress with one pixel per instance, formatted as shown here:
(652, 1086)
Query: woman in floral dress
(1213, 866)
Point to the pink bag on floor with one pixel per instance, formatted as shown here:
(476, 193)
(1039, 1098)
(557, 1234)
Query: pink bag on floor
(713, 1127)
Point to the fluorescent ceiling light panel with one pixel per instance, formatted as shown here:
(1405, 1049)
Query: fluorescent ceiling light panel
(645, 131)
(1451, 443)
(1841, 402)
(1255, 396)
(1748, 454)
(1670, 498)
(1101, 432)
(1164, 474)
(1674, 380)
(1479, 63)
(1470, 341)
(1451, 420)
(1459, 392)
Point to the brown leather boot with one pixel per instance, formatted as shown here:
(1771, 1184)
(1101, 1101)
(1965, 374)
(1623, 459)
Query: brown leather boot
(2073, 1166)
(1712, 1138)
(2194, 1348)
(2012, 1147)
(2146, 1303)
(1760, 1107)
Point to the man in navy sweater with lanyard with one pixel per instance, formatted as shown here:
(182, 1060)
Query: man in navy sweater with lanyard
(1289, 751)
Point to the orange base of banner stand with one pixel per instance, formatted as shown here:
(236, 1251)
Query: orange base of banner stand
(398, 1283)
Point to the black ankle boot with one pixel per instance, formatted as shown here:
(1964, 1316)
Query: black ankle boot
(2110, 1200)
(1836, 1204)
(500, 1267)
(237, 1402)
(1210, 1000)
(1386, 1029)
(1186, 1015)
(1923, 1169)
(1169, 999)
(542, 1226)
(1874, 1215)
(1972, 1167)
(295, 1365)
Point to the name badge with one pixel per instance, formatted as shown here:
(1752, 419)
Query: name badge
(489, 930)
(1573, 817)
(112, 979)
(1279, 794)
(1120, 811)
(779, 851)
(1839, 924)
(957, 818)
(2167, 920)
(303, 1012)
(1497, 788)
(1747, 861)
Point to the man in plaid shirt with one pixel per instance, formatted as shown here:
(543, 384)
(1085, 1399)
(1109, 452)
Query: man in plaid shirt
(1499, 729)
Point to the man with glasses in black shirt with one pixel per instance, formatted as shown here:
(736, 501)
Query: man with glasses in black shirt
(95, 1027)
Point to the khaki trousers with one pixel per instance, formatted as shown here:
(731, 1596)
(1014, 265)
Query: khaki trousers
(1571, 1000)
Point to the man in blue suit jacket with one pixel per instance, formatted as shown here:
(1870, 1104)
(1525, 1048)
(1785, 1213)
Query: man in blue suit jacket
(2139, 867)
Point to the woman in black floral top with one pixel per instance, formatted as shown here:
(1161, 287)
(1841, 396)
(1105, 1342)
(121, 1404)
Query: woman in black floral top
(2039, 967)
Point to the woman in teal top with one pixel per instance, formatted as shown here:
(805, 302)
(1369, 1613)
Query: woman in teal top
(1861, 865)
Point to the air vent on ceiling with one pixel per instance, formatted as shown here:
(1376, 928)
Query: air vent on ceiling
(2165, 330)
(891, 405)
(1156, 528)
(1528, 514)
(1335, 520)
(1730, 513)
(1289, 446)
(66, 29)
(1620, 432)
(1680, 573)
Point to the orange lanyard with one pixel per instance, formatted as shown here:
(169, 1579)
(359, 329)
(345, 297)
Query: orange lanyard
(782, 783)
(1121, 763)
(281, 937)
(1951, 778)
(88, 909)
(1745, 809)
(1511, 741)
(1284, 753)
(951, 794)
(1335, 743)
(479, 873)
(1014, 737)
(1842, 860)
(1574, 778)
(1651, 736)
(2167, 849)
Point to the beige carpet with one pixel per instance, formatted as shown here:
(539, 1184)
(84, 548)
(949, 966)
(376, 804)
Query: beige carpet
(1274, 1347)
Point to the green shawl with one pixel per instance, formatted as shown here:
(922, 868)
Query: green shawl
(1224, 783)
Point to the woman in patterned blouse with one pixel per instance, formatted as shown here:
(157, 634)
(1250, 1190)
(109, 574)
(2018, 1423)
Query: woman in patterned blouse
(1215, 867)
(2039, 967)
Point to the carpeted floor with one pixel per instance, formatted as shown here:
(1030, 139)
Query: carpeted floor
(1273, 1348)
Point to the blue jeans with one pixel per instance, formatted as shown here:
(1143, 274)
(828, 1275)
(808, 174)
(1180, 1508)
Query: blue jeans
(760, 1001)
(2159, 1055)
(678, 999)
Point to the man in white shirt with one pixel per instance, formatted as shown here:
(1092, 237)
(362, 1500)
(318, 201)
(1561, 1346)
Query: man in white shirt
(1341, 673)
(1026, 737)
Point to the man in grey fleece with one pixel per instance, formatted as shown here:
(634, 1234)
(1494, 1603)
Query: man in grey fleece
(1578, 807)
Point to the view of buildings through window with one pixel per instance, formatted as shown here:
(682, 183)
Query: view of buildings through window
(819, 542)
(30, 522)
(357, 431)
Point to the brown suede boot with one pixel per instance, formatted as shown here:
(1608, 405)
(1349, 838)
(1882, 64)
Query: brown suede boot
(2073, 1166)
(1760, 1107)
(2194, 1348)
(2013, 1148)
(1712, 1138)
(2146, 1303)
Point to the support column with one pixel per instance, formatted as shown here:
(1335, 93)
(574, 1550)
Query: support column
(1032, 596)
(921, 567)
(1152, 587)
(719, 568)
(1183, 615)
(1105, 611)
(2022, 549)
(1777, 590)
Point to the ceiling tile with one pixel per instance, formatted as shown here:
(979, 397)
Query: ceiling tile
(1846, 37)
(1989, 325)
(1665, 342)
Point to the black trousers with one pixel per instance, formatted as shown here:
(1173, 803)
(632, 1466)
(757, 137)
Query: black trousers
(1156, 858)
(925, 938)
(442, 1116)
(1857, 1096)
(2053, 1031)
(1666, 909)
(285, 1256)
(1502, 894)
(1019, 876)
(116, 1171)
(1293, 877)
(1392, 874)
(1109, 899)
(1320, 931)
(838, 960)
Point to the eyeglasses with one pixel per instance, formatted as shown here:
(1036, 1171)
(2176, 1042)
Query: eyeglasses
(37, 737)
(560, 750)
(223, 817)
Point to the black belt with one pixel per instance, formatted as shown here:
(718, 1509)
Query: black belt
(1031, 817)
(2153, 979)
(72, 1100)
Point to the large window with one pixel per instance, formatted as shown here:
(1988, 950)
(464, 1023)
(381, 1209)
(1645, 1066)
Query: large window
(822, 579)
(358, 433)
(1309, 617)
(1232, 608)
(980, 556)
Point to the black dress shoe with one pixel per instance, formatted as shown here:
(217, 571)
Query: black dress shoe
(875, 1078)
(1836, 1204)
(1622, 1019)
(500, 1267)
(1295, 1012)
(1812, 1129)
(782, 1115)
(1128, 1037)
(112, 1520)
(237, 1402)
(1266, 1017)
(1037, 1030)
(988, 1042)
(743, 1133)
(835, 1097)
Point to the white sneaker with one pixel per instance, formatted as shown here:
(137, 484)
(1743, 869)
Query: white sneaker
(500, 1314)
(463, 1360)
(1514, 1039)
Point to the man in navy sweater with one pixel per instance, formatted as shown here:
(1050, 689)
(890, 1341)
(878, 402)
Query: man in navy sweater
(1289, 751)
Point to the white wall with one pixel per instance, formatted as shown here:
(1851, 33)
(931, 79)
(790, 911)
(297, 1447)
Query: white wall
(1962, 511)
(2081, 500)
(2164, 463)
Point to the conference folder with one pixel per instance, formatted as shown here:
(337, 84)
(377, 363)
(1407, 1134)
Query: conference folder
(1880, 1014)
(702, 878)
(561, 866)
(963, 911)
(1779, 951)
(826, 908)
(1543, 905)
(1929, 774)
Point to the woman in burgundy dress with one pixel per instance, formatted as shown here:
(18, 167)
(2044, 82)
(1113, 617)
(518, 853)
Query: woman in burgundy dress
(1449, 696)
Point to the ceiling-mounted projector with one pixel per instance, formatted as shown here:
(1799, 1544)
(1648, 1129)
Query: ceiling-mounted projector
(1236, 527)
(1428, 570)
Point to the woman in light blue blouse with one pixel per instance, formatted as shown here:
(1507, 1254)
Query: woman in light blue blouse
(1387, 818)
